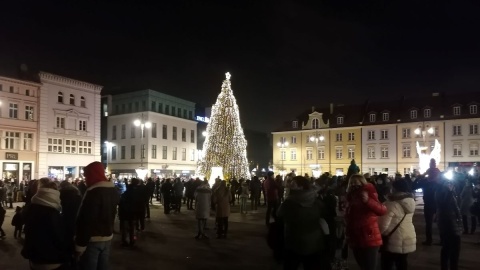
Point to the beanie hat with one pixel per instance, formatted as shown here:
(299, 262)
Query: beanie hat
(94, 173)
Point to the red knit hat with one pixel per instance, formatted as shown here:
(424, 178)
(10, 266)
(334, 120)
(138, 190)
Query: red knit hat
(94, 173)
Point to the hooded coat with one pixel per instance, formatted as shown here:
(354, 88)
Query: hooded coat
(301, 213)
(203, 199)
(404, 239)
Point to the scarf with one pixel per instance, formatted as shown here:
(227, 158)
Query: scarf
(47, 197)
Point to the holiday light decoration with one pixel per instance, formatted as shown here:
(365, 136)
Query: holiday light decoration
(424, 158)
(225, 145)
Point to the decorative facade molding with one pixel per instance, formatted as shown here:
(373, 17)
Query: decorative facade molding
(60, 80)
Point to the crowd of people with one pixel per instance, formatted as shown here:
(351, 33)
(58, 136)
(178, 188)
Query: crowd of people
(309, 220)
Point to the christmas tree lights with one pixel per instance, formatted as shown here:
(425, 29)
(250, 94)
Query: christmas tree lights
(225, 145)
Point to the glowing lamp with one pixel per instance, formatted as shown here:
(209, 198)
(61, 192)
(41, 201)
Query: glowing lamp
(137, 123)
(449, 175)
(148, 124)
(417, 131)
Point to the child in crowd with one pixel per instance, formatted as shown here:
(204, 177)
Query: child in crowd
(17, 222)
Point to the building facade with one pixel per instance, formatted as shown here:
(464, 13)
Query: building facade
(69, 126)
(18, 129)
(168, 146)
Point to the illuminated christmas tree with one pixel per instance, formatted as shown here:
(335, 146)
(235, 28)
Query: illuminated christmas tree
(225, 145)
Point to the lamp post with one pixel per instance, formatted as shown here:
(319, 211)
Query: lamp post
(317, 139)
(282, 145)
(142, 123)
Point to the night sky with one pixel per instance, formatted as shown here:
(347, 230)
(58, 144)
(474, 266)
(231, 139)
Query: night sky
(284, 56)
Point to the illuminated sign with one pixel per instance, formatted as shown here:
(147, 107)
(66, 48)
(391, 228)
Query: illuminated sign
(203, 119)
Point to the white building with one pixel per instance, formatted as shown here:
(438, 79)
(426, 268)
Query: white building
(169, 145)
(18, 128)
(379, 153)
(69, 130)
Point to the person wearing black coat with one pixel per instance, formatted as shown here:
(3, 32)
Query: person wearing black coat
(150, 186)
(166, 190)
(139, 200)
(190, 188)
(126, 215)
(70, 200)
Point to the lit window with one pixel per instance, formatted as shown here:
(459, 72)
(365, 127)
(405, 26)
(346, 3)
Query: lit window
(28, 112)
(371, 152)
(351, 153)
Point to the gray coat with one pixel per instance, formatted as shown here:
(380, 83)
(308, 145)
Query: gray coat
(203, 200)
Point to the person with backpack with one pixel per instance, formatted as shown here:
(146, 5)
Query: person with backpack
(397, 227)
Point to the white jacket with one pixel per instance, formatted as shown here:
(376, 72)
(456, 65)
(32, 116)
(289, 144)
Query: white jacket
(404, 239)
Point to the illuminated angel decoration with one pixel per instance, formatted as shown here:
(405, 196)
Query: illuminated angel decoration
(424, 158)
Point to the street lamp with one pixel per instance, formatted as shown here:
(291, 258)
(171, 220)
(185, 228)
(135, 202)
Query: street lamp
(282, 145)
(142, 123)
(316, 139)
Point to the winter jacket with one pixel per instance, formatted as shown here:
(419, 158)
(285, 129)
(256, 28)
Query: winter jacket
(150, 186)
(2, 215)
(126, 207)
(466, 200)
(178, 188)
(301, 213)
(362, 218)
(96, 215)
(222, 197)
(17, 219)
(404, 239)
(449, 218)
(271, 189)
(245, 192)
(166, 189)
(203, 200)
(256, 188)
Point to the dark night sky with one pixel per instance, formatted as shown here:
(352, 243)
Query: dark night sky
(284, 56)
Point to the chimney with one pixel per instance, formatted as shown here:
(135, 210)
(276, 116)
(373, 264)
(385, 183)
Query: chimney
(331, 108)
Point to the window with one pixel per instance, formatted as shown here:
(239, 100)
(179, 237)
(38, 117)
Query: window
(309, 154)
(339, 137)
(60, 97)
(143, 151)
(83, 103)
(474, 129)
(372, 117)
(339, 153)
(114, 153)
(413, 114)
(184, 154)
(173, 110)
(385, 116)
(283, 139)
(371, 152)
(174, 133)
(427, 113)
(184, 135)
(144, 105)
(11, 89)
(28, 141)
(457, 150)
(122, 152)
(406, 151)
(371, 134)
(295, 124)
(82, 125)
(294, 139)
(340, 120)
(351, 153)
(27, 92)
(456, 110)
(315, 123)
(137, 106)
(164, 132)
(1, 87)
(130, 107)
(71, 146)
(60, 122)
(160, 107)
(132, 152)
(154, 151)
(473, 109)
(283, 155)
(72, 99)
(435, 133)
(13, 111)
(192, 136)
(351, 136)
(114, 132)
(474, 149)
(116, 109)
(384, 152)
(167, 109)
(85, 147)
(174, 153)
(321, 153)
(29, 112)
(457, 130)
(184, 113)
(132, 132)
(154, 130)
(164, 152)
(123, 133)
(384, 134)
(12, 140)
(406, 133)
(179, 112)
(192, 155)
(55, 145)
(153, 107)
(190, 115)
(293, 154)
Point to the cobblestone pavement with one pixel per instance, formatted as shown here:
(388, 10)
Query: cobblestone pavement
(168, 243)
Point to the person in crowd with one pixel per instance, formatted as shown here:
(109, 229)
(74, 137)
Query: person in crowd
(45, 244)
(70, 199)
(304, 239)
(449, 220)
(126, 215)
(94, 225)
(3, 194)
(466, 202)
(178, 188)
(17, 222)
(222, 198)
(139, 202)
(271, 193)
(2, 219)
(245, 193)
(82, 187)
(361, 217)
(327, 195)
(203, 198)
(166, 190)
(429, 187)
(215, 187)
(382, 187)
(150, 186)
(398, 225)
(10, 191)
(157, 189)
(352, 169)
(281, 188)
(190, 193)
(256, 192)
